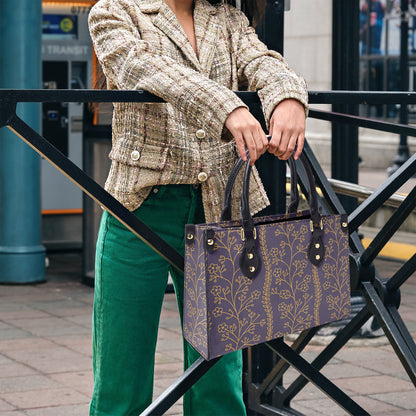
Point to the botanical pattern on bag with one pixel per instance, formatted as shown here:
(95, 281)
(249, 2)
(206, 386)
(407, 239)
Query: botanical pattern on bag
(230, 311)
(231, 298)
(195, 312)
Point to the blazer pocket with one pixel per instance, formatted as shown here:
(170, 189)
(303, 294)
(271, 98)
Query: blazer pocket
(147, 156)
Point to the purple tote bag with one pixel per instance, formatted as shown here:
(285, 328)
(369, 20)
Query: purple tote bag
(257, 279)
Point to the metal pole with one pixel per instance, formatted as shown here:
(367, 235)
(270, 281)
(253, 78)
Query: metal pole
(345, 64)
(403, 150)
(22, 257)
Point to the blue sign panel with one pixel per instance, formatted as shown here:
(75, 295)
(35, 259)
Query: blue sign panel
(58, 26)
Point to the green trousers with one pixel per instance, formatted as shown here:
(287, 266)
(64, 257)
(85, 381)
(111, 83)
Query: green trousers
(130, 282)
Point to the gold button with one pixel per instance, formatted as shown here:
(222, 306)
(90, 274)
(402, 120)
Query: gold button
(202, 176)
(135, 155)
(200, 134)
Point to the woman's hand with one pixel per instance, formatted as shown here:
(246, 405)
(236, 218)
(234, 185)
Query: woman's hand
(247, 132)
(287, 129)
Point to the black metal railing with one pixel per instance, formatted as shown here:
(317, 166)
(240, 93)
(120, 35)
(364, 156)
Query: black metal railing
(382, 298)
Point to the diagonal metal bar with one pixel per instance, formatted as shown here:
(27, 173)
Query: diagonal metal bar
(282, 366)
(329, 352)
(388, 230)
(401, 326)
(368, 123)
(372, 203)
(140, 229)
(330, 196)
(402, 349)
(173, 393)
(401, 275)
(318, 379)
(95, 191)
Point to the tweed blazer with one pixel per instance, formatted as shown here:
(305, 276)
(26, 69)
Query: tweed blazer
(141, 45)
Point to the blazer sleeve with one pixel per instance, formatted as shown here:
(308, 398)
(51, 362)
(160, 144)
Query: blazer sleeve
(264, 70)
(130, 63)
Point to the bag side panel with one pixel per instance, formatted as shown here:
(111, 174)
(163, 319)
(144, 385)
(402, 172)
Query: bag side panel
(195, 304)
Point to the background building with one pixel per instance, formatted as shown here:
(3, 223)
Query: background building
(308, 49)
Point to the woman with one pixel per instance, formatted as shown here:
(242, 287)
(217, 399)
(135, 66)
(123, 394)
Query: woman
(170, 163)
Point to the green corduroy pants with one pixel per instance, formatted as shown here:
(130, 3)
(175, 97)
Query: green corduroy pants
(130, 282)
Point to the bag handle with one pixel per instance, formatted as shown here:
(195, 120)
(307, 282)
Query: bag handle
(294, 193)
(250, 260)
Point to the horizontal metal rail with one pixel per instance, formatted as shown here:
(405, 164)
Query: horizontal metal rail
(360, 191)
(379, 304)
(105, 96)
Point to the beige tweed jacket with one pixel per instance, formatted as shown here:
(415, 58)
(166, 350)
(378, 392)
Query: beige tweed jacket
(141, 45)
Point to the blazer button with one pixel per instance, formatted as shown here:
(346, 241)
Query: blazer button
(200, 134)
(202, 176)
(135, 155)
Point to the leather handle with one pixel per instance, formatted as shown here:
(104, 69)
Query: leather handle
(250, 262)
(313, 195)
(294, 193)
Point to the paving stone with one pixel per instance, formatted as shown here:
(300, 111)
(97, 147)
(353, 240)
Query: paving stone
(170, 369)
(44, 398)
(374, 384)
(53, 360)
(81, 381)
(44, 327)
(14, 333)
(26, 344)
(81, 344)
(74, 410)
(15, 369)
(4, 406)
(404, 399)
(163, 358)
(4, 360)
(335, 371)
(304, 408)
(375, 407)
(26, 383)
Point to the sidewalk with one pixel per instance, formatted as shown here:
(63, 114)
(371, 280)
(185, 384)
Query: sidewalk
(45, 348)
(45, 359)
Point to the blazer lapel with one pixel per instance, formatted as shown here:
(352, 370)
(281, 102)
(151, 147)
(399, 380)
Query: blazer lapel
(206, 32)
(167, 22)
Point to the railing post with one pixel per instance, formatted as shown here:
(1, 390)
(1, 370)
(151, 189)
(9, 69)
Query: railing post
(22, 257)
(345, 62)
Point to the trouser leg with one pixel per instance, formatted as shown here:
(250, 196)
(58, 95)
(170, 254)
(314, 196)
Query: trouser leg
(129, 287)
